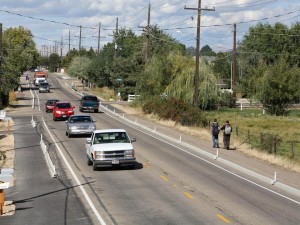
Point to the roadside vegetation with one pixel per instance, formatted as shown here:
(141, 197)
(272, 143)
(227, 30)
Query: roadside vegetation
(160, 70)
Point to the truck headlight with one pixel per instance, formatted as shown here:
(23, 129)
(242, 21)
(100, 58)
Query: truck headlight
(129, 153)
(92, 127)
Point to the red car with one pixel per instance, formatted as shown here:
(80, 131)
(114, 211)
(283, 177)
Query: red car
(49, 105)
(62, 110)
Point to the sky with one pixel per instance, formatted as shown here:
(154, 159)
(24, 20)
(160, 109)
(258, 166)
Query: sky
(51, 21)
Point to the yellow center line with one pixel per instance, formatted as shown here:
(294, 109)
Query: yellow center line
(223, 218)
(164, 178)
(188, 195)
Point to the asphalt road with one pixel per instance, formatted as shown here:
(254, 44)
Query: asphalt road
(170, 185)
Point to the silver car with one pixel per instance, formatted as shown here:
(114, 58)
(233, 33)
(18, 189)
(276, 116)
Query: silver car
(80, 125)
(44, 87)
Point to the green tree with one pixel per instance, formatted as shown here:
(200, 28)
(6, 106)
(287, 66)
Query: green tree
(79, 67)
(207, 51)
(54, 62)
(19, 55)
(277, 86)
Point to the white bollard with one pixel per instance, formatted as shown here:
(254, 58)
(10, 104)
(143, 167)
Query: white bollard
(275, 179)
(217, 155)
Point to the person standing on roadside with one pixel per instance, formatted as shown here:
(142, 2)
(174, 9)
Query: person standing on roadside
(226, 135)
(215, 133)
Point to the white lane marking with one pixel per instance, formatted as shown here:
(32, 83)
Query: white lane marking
(239, 176)
(38, 100)
(100, 219)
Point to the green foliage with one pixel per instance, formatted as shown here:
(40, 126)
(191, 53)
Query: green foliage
(222, 65)
(79, 67)
(269, 142)
(54, 62)
(19, 55)
(207, 51)
(277, 86)
(176, 110)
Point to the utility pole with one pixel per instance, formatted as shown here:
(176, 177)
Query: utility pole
(116, 37)
(80, 38)
(61, 50)
(196, 76)
(69, 41)
(99, 32)
(234, 67)
(1, 58)
(148, 33)
(98, 38)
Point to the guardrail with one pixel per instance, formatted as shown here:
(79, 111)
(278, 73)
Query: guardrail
(51, 166)
(49, 162)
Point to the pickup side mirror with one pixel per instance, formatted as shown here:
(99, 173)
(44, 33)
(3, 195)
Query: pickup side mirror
(133, 139)
(88, 140)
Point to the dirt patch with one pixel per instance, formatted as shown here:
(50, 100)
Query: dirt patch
(7, 159)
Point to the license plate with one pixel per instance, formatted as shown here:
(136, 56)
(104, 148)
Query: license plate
(64, 116)
(115, 161)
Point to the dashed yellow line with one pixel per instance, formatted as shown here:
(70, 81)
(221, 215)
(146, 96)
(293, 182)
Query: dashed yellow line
(146, 165)
(164, 178)
(188, 195)
(223, 218)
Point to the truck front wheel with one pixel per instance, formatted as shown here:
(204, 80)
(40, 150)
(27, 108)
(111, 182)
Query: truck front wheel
(95, 168)
(89, 162)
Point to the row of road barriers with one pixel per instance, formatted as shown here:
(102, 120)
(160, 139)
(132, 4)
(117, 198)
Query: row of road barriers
(49, 162)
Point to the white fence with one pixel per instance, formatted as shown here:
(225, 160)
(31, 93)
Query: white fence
(131, 98)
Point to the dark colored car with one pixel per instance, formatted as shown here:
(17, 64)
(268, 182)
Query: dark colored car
(89, 103)
(49, 105)
(62, 110)
(44, 87)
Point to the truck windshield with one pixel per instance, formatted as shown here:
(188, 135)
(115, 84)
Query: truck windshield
(111, 137)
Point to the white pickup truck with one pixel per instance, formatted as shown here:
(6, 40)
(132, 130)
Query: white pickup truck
(110, 147)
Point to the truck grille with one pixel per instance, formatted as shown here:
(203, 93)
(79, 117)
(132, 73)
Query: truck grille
(113, 154)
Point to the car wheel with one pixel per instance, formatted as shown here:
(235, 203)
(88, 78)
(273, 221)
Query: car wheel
(54, 118)
(96, 110)
(89, 162)
(66, 133)
(69, 135)
(95, 168)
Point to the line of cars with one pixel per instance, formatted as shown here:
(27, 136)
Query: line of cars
(106, 147)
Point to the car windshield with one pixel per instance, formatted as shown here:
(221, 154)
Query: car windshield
(80, 119)
(111, 137)
(63, 105)
(51, 102)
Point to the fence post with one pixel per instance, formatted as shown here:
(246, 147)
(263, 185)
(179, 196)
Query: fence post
(248, 136)
(237, 131)
(292, 150)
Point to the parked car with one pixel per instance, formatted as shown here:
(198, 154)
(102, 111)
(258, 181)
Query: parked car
(80, 125)
(49, 105)
(89, 103)
(44, 87)
(62, 110)
(110, 147)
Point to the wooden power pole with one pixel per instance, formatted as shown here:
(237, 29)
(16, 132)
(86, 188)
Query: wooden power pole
(197, 74)
(234, 63)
